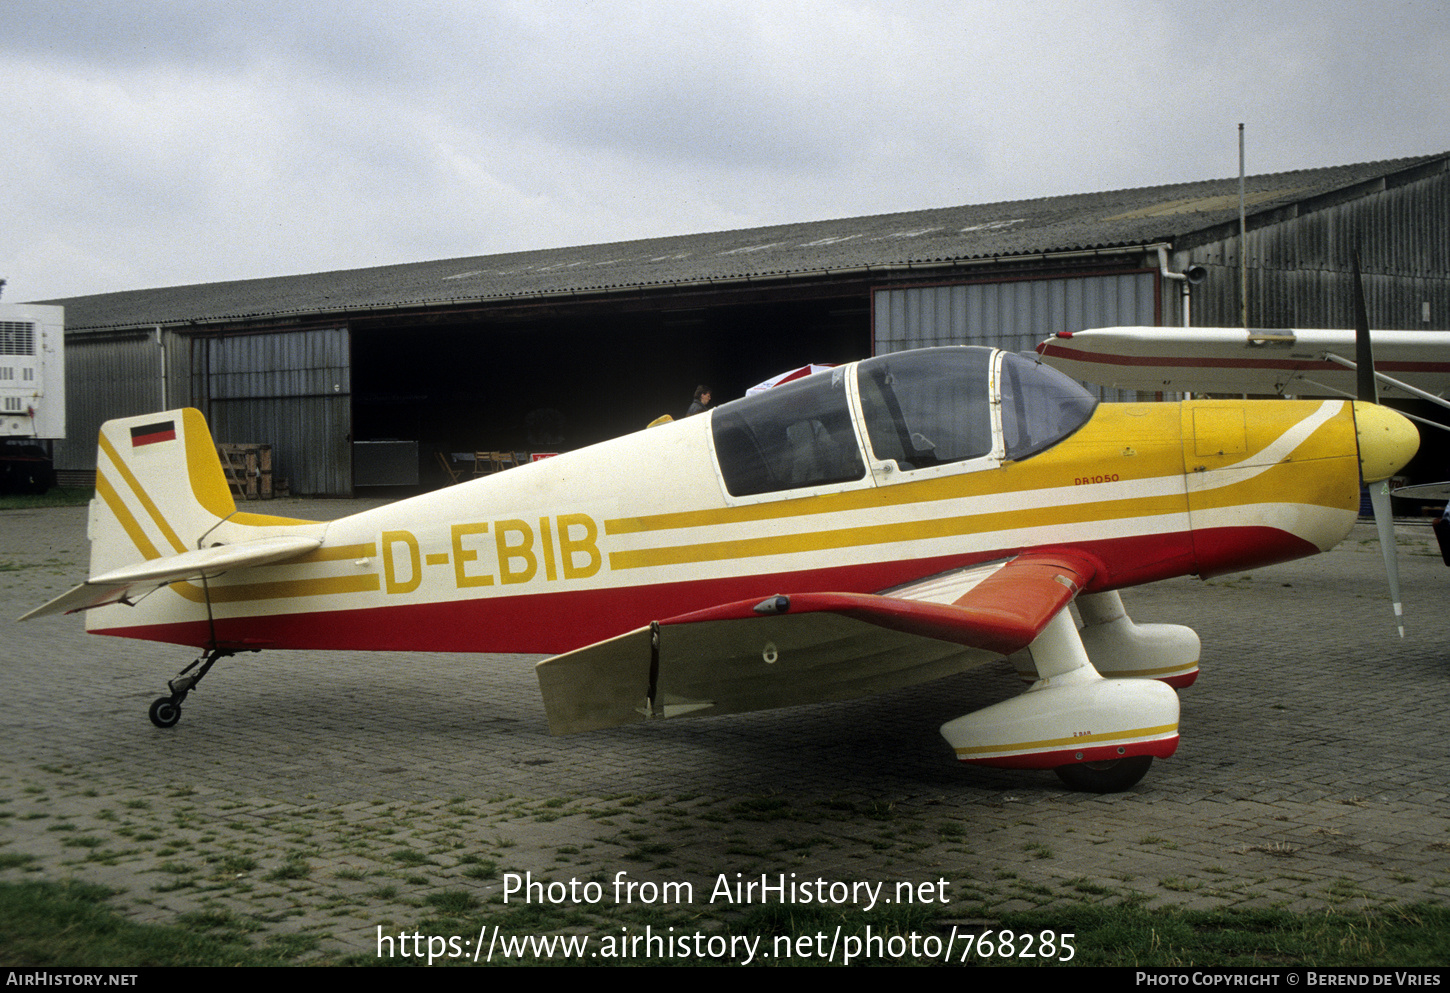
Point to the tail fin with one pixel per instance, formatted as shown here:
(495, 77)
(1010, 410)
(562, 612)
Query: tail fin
(159, 489)
(160, 494)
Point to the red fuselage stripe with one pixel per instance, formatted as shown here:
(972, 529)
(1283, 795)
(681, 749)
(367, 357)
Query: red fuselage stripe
(560, 622)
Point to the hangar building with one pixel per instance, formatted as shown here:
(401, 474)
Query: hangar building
(555, 349)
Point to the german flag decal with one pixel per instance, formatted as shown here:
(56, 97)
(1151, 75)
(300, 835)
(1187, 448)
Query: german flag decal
(150, 434)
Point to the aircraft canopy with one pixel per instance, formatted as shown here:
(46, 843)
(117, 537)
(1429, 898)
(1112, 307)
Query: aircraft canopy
(916, 409)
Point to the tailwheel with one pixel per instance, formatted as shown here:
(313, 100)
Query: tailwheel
(165, 712)
(1112, 776)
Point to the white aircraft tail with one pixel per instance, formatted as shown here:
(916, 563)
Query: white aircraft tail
(161, 497)
(159, 489)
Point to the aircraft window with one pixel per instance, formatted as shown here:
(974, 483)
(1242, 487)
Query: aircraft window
(928, 407)
(788, 438)
(1040, 406)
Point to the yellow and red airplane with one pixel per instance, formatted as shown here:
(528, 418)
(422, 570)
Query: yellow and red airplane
(873, 526)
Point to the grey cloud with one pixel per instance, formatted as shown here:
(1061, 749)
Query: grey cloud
(275, 136)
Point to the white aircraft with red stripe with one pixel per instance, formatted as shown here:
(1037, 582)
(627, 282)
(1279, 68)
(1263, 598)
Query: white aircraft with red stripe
(873, 526)
(1285, 362)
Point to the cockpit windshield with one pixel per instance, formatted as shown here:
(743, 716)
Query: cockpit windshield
(1040, 406)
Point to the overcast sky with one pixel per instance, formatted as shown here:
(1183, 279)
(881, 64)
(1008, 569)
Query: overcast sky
(160, 143)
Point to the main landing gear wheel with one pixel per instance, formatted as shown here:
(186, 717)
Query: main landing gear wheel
(1112, 776)
(165, 712)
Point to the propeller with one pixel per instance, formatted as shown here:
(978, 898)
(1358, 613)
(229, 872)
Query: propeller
(1379, 490)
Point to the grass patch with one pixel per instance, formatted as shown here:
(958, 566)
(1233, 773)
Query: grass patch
(235, 865)
(648, 851)
(761, 808)
(482, 870)
(452, 902)
(55, 924)
(1416, 935)
(411, 857)
(293, 867)
(56, 496)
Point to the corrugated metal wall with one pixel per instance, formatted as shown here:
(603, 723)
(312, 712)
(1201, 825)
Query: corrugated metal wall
(291, 390)
(106, 376)
(178, 370)
(1299, 267)
(1012, 315)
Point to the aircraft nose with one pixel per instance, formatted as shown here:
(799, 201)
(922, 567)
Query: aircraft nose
(1387, 440)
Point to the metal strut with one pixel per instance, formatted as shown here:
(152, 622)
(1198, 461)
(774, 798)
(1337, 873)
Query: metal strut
(211, 642)
(654, 670)
(184, 684)
(166, 711)
(212, 652)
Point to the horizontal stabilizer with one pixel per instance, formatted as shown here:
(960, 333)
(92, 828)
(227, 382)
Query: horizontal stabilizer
(118, 584)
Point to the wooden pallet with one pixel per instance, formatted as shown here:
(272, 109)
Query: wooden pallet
(248, 470)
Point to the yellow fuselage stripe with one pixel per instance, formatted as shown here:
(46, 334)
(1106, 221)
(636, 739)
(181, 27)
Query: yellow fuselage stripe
(1086, 739)
(878, 534)
(334, 553)
(281, 589)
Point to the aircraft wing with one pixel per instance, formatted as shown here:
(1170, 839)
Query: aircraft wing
(143, 577)
(1296, 362)
(1424, 491)
(810, 647)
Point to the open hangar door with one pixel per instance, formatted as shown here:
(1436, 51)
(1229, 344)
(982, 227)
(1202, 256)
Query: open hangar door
(550, 380)
(286, 389)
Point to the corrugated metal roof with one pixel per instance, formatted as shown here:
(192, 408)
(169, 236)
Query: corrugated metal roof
(922, 238)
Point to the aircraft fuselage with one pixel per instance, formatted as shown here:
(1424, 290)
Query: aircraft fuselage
(560, 553)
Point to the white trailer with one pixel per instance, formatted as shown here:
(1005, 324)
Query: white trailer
(32, 394)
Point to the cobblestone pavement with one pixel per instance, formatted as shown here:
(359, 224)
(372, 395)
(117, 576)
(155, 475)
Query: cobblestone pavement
(330, 794)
